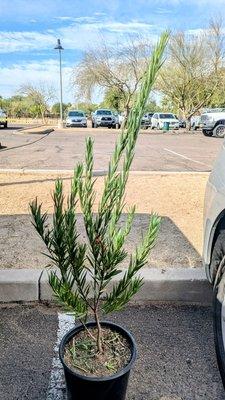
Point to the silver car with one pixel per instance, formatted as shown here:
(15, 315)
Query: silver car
(214, 251)
(76, 118)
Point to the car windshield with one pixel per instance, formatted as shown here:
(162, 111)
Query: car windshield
(75, 114)
(164, 116)
(104, 112)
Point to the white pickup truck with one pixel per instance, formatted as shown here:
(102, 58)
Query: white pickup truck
(213, 122)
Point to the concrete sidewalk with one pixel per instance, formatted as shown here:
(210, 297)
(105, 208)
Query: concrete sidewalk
(176, 357)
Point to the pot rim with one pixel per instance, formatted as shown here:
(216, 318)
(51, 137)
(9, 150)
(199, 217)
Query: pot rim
(109, 324)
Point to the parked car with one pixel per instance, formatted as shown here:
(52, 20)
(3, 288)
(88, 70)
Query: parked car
(118, 120)
(3, 119)
(195, 122)
(182, 122)
(146, 120)
(103, 117)
(158, 120)
(213, 122)
(76, 118)
(214, 251)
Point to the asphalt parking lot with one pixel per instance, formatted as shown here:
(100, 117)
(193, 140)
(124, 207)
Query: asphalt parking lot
(62, 149)
(176, 356)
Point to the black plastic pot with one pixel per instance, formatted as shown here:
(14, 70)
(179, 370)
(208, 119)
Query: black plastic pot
(80, 387)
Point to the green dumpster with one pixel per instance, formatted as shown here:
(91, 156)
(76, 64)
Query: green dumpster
(166, 126)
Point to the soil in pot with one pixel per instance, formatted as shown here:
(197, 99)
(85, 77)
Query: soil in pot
(81, 353)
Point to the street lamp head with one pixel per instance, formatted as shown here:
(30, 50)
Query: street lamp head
(59, 46)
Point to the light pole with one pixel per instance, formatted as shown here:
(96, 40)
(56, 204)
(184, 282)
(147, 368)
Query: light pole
(60, 48)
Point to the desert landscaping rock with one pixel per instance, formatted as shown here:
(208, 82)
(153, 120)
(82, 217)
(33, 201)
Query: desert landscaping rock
(177, 198)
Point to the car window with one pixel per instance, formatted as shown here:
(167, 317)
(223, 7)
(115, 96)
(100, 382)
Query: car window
(104, 112)
(75, 114)
(164, 116)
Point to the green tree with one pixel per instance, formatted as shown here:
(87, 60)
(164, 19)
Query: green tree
(118, 68)
(191, 76)
(56, 108)
(92, 266)
(87, 107)
(113, 99)
(39, 97)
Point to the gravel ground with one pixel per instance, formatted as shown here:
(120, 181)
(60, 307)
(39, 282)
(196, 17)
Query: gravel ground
(177, 198)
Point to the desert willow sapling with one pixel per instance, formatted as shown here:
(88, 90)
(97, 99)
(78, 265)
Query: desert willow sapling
(84, 271)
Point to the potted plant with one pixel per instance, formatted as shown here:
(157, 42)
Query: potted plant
(97, 356)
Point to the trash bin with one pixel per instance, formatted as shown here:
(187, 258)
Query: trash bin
(166, 126)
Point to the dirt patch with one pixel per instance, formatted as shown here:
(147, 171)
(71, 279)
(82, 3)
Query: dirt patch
(82, 356)
(178, 198)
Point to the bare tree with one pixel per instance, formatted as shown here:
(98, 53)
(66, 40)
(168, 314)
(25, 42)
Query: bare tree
(113, 67)
(192, 74)
(39, 96)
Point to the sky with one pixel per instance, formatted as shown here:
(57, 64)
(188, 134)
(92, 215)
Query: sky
(29, 30)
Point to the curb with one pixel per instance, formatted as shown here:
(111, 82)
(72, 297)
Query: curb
(38, 132)
(98, 172)
(174, 285)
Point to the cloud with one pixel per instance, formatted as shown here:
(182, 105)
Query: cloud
(81, 32)
(24, 41)
(11, 78)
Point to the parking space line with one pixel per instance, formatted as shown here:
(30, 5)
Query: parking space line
(187, 158)
(56, 387)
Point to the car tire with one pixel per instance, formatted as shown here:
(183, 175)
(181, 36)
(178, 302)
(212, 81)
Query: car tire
(219, 327)
(207, 133)
(92, 125)
(6, 125)
(217, 254)
(219, 131)
(114, 126)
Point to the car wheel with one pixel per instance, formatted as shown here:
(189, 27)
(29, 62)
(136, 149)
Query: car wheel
(114, 126)
(219, 325)
(207, 133)
(92, 125)
(6, 125)
(109, 127)
(217, 255)
(219, 131)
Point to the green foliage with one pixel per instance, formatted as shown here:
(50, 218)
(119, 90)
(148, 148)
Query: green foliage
(85, 271)
(114, 99)
(56, 108)
(88, 108)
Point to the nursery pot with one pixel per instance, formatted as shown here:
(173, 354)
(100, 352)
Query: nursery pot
(81, 387)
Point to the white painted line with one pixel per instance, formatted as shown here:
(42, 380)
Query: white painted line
(187, 158)
(56, 387)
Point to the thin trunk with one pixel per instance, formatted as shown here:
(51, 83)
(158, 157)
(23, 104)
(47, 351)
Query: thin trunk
(99, 333)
